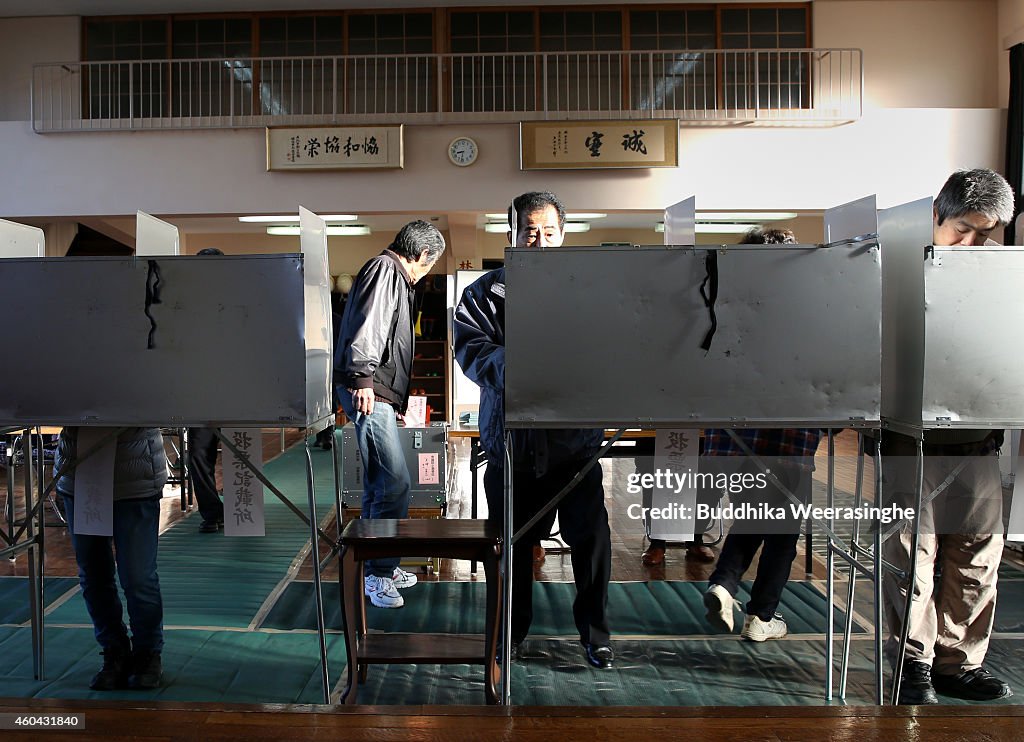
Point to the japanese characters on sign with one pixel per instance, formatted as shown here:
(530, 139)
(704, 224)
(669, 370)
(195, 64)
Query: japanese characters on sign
(334, 147)
(243, 492)
(598, 144)
(675, 452)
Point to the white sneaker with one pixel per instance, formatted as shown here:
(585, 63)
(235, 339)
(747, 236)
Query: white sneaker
(403, 579)
(382, 592)
(757, 630)
(720, 604)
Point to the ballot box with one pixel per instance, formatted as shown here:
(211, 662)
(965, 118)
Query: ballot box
(426, 455)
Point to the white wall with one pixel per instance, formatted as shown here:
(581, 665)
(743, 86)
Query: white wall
(24, 41)
(918, 53)
(900, 154)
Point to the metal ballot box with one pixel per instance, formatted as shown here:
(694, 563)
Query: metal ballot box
(951, 356)
(426, 455)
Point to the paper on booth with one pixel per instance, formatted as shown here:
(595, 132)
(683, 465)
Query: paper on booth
(675, 451)
(94, 485)
(243, 492)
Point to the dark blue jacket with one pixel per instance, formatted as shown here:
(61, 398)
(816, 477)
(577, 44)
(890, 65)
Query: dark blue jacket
(479, 334)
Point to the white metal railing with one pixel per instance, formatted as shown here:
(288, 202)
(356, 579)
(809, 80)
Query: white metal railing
(745, 85)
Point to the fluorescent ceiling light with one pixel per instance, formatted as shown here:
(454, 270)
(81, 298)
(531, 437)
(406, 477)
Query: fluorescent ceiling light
(295, 219)
(497, 228)
(722, 228)
(574, 216)
(347, 230)
(755, 217)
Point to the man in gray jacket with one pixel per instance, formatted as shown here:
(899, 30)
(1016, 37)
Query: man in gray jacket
(373, 364)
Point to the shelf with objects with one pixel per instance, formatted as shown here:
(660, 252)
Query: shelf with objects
(432, 357)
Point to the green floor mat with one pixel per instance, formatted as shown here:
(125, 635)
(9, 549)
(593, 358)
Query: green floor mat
(701, 672)
(1010, 571)
(646, 608)
(209, 580)
(220, 666)
(14, 596)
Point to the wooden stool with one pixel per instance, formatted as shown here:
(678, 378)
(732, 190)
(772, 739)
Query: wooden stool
(455, 539)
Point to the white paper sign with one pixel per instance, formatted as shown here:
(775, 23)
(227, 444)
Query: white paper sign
(416, 412)
(94, 485)
(243, 492)
(428, 466)
(673, 506)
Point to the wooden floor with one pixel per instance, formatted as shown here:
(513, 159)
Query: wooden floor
(170, 722)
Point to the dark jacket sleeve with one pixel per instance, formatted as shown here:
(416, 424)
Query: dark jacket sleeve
(366, 327)
(479, 333)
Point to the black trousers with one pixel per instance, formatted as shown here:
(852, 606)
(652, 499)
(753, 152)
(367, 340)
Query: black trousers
(777, 540)
(202, 469)
(584, 527)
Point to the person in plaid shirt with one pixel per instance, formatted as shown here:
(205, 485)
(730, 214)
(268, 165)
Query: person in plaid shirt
(789, 454)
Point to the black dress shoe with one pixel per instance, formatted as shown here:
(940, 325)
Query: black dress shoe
(211, 526)
(916, 685)
(975, 685)
(600, 656)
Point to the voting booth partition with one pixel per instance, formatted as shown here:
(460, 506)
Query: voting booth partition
(695, 336)
(949, 357)
(177, 341)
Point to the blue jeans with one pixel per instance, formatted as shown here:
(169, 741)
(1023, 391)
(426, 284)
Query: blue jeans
(386, 480)
(132, 550)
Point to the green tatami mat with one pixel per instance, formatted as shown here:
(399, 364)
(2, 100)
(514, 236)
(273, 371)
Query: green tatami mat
(14, 596)
(210, 580)
(699, 672)
(224, 666)
(646, 608)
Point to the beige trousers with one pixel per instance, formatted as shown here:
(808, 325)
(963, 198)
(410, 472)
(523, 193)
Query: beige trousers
(951, 614)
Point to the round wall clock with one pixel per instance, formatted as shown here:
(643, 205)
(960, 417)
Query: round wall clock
(462, 151)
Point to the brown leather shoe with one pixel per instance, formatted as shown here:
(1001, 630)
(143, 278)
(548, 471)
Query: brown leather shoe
(538, 553)
(653, 556)
(699, 552)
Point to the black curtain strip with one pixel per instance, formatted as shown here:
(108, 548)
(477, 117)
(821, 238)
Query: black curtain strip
(1015, 136)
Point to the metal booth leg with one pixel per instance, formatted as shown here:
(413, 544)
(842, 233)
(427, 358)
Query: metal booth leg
(844, 666)
(911, 574)
(314, 542)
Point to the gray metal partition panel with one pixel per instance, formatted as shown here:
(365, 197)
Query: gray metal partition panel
(973, 357)
(601, 336)
(316, 306)
(228, 342)
(904, 232)
(850, 220)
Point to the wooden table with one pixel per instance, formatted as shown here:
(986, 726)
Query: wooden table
(457, 539)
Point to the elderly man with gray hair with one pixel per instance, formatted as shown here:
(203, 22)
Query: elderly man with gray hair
(961, 540)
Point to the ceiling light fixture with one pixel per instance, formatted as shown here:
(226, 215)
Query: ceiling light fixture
(755, 217)
(295, 219)
(722, 228)
(344, 230)
(572, 217)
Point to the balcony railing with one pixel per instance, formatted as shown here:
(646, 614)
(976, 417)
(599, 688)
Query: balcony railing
(776, 86)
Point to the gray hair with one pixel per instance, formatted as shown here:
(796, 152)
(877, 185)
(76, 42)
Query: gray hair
(414, 238)
(981, 191)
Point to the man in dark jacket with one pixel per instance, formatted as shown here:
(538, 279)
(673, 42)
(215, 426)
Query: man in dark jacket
(544, 460)
(373, 363)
